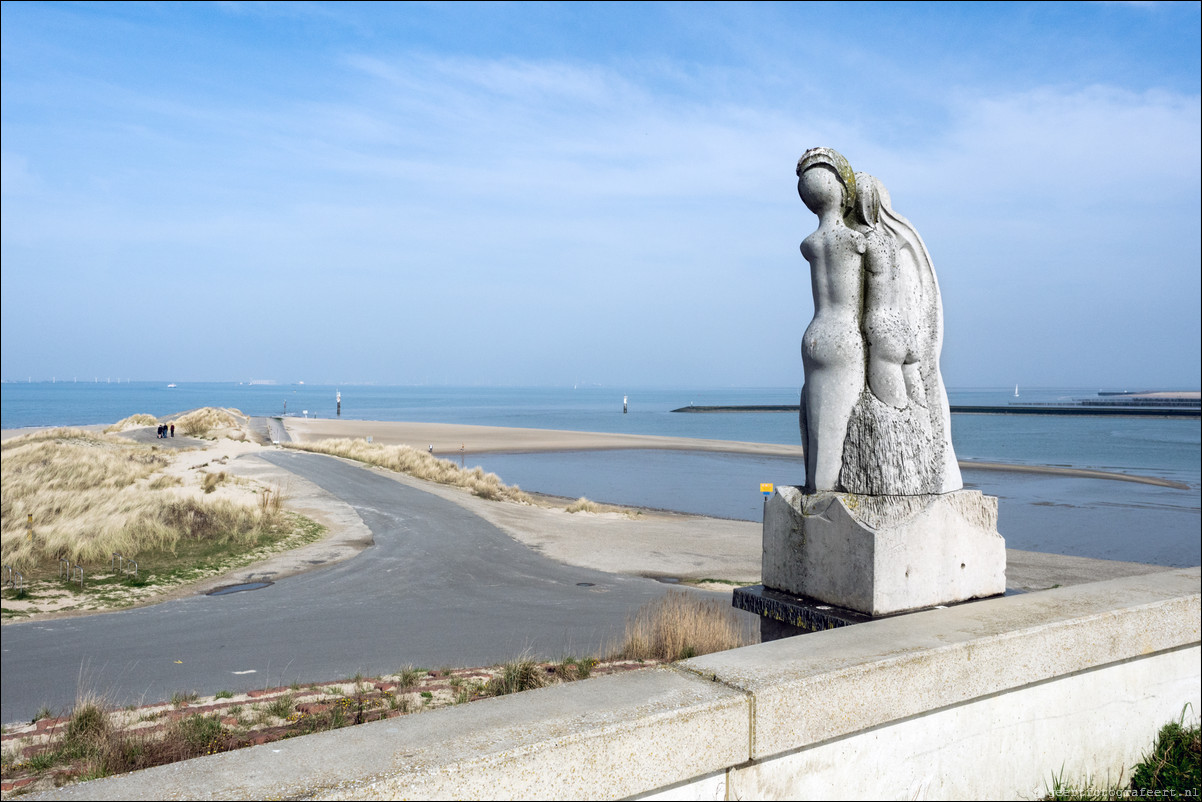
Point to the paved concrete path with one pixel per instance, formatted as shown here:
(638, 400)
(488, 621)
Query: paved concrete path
(440, 587)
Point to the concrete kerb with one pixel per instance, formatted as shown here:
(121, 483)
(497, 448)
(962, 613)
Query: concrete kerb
(758, 718)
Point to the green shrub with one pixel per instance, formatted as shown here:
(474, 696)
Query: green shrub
(1174, 762)
(196, 735)
(281, 707)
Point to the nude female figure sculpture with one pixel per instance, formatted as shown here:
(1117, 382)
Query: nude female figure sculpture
(832, 349)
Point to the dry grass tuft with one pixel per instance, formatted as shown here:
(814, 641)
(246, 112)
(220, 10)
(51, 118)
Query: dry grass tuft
(419, 464)
(141, 419)
(45, 435)
(201, 422)
(271, 501)
(212, 481)
(163, 481)
(582, 504)
(680, 625)
(523, 674)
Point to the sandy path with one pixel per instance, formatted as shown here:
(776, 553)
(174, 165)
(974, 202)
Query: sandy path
(652, 544)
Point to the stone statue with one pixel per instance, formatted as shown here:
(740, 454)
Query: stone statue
(874, 413)
(832, 349)
(883, 523)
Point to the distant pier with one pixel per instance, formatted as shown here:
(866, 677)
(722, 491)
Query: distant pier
(1112, 409)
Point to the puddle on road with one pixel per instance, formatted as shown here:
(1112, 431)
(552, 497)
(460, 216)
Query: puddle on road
(228, 589)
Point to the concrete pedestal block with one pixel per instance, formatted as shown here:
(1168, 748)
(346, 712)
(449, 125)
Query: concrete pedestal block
(883, 554)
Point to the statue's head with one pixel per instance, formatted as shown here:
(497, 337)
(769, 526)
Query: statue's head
(833, 160)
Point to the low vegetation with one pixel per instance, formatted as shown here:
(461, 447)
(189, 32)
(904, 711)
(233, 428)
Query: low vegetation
(1175, 763)
(207, 420)
(582, 504)
(420, 465)
(97, 740)
(100, 501)
(523, 674)
(140, 419)
(423, 465)
(1173, 768)
(680, 625)
(212, 481)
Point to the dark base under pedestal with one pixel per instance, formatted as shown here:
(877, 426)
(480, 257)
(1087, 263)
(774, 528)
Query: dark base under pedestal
(783, 615)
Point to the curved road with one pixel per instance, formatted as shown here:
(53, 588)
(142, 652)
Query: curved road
(440, 587)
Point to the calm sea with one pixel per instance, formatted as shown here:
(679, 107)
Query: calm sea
(1086, 517)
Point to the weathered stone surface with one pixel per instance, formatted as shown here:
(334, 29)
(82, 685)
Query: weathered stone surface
(883, 554)
(874, 411)
(890, 451)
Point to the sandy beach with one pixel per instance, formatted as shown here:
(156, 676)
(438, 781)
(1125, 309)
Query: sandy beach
(449, 440)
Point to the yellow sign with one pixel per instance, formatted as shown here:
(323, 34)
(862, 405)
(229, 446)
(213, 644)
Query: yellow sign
(766, 488)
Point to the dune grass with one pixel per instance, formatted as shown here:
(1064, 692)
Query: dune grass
(582, 504)
(420, 465)
(206, 420)
(140, 419)
(680, 625)
(92, 496)
(89, 497)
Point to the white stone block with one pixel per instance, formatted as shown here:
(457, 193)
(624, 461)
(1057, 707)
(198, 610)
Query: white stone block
(883, 554)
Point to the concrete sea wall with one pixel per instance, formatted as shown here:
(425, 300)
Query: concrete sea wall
(983, 700)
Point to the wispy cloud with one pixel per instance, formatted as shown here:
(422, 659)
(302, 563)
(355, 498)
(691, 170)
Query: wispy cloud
(614, 201)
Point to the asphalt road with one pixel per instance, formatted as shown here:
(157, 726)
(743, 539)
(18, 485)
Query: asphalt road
(440, 587)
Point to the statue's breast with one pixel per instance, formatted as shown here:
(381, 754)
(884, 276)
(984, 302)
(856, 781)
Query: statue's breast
(833, 245)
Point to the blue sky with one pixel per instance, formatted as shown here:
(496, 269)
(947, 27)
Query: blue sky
(549, 194)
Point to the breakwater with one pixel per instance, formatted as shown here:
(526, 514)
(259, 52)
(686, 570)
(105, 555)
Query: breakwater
(1007, 409)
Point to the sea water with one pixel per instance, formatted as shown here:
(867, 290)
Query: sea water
(1069, 515)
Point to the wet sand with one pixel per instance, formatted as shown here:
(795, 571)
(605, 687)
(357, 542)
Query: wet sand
(449, 440)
